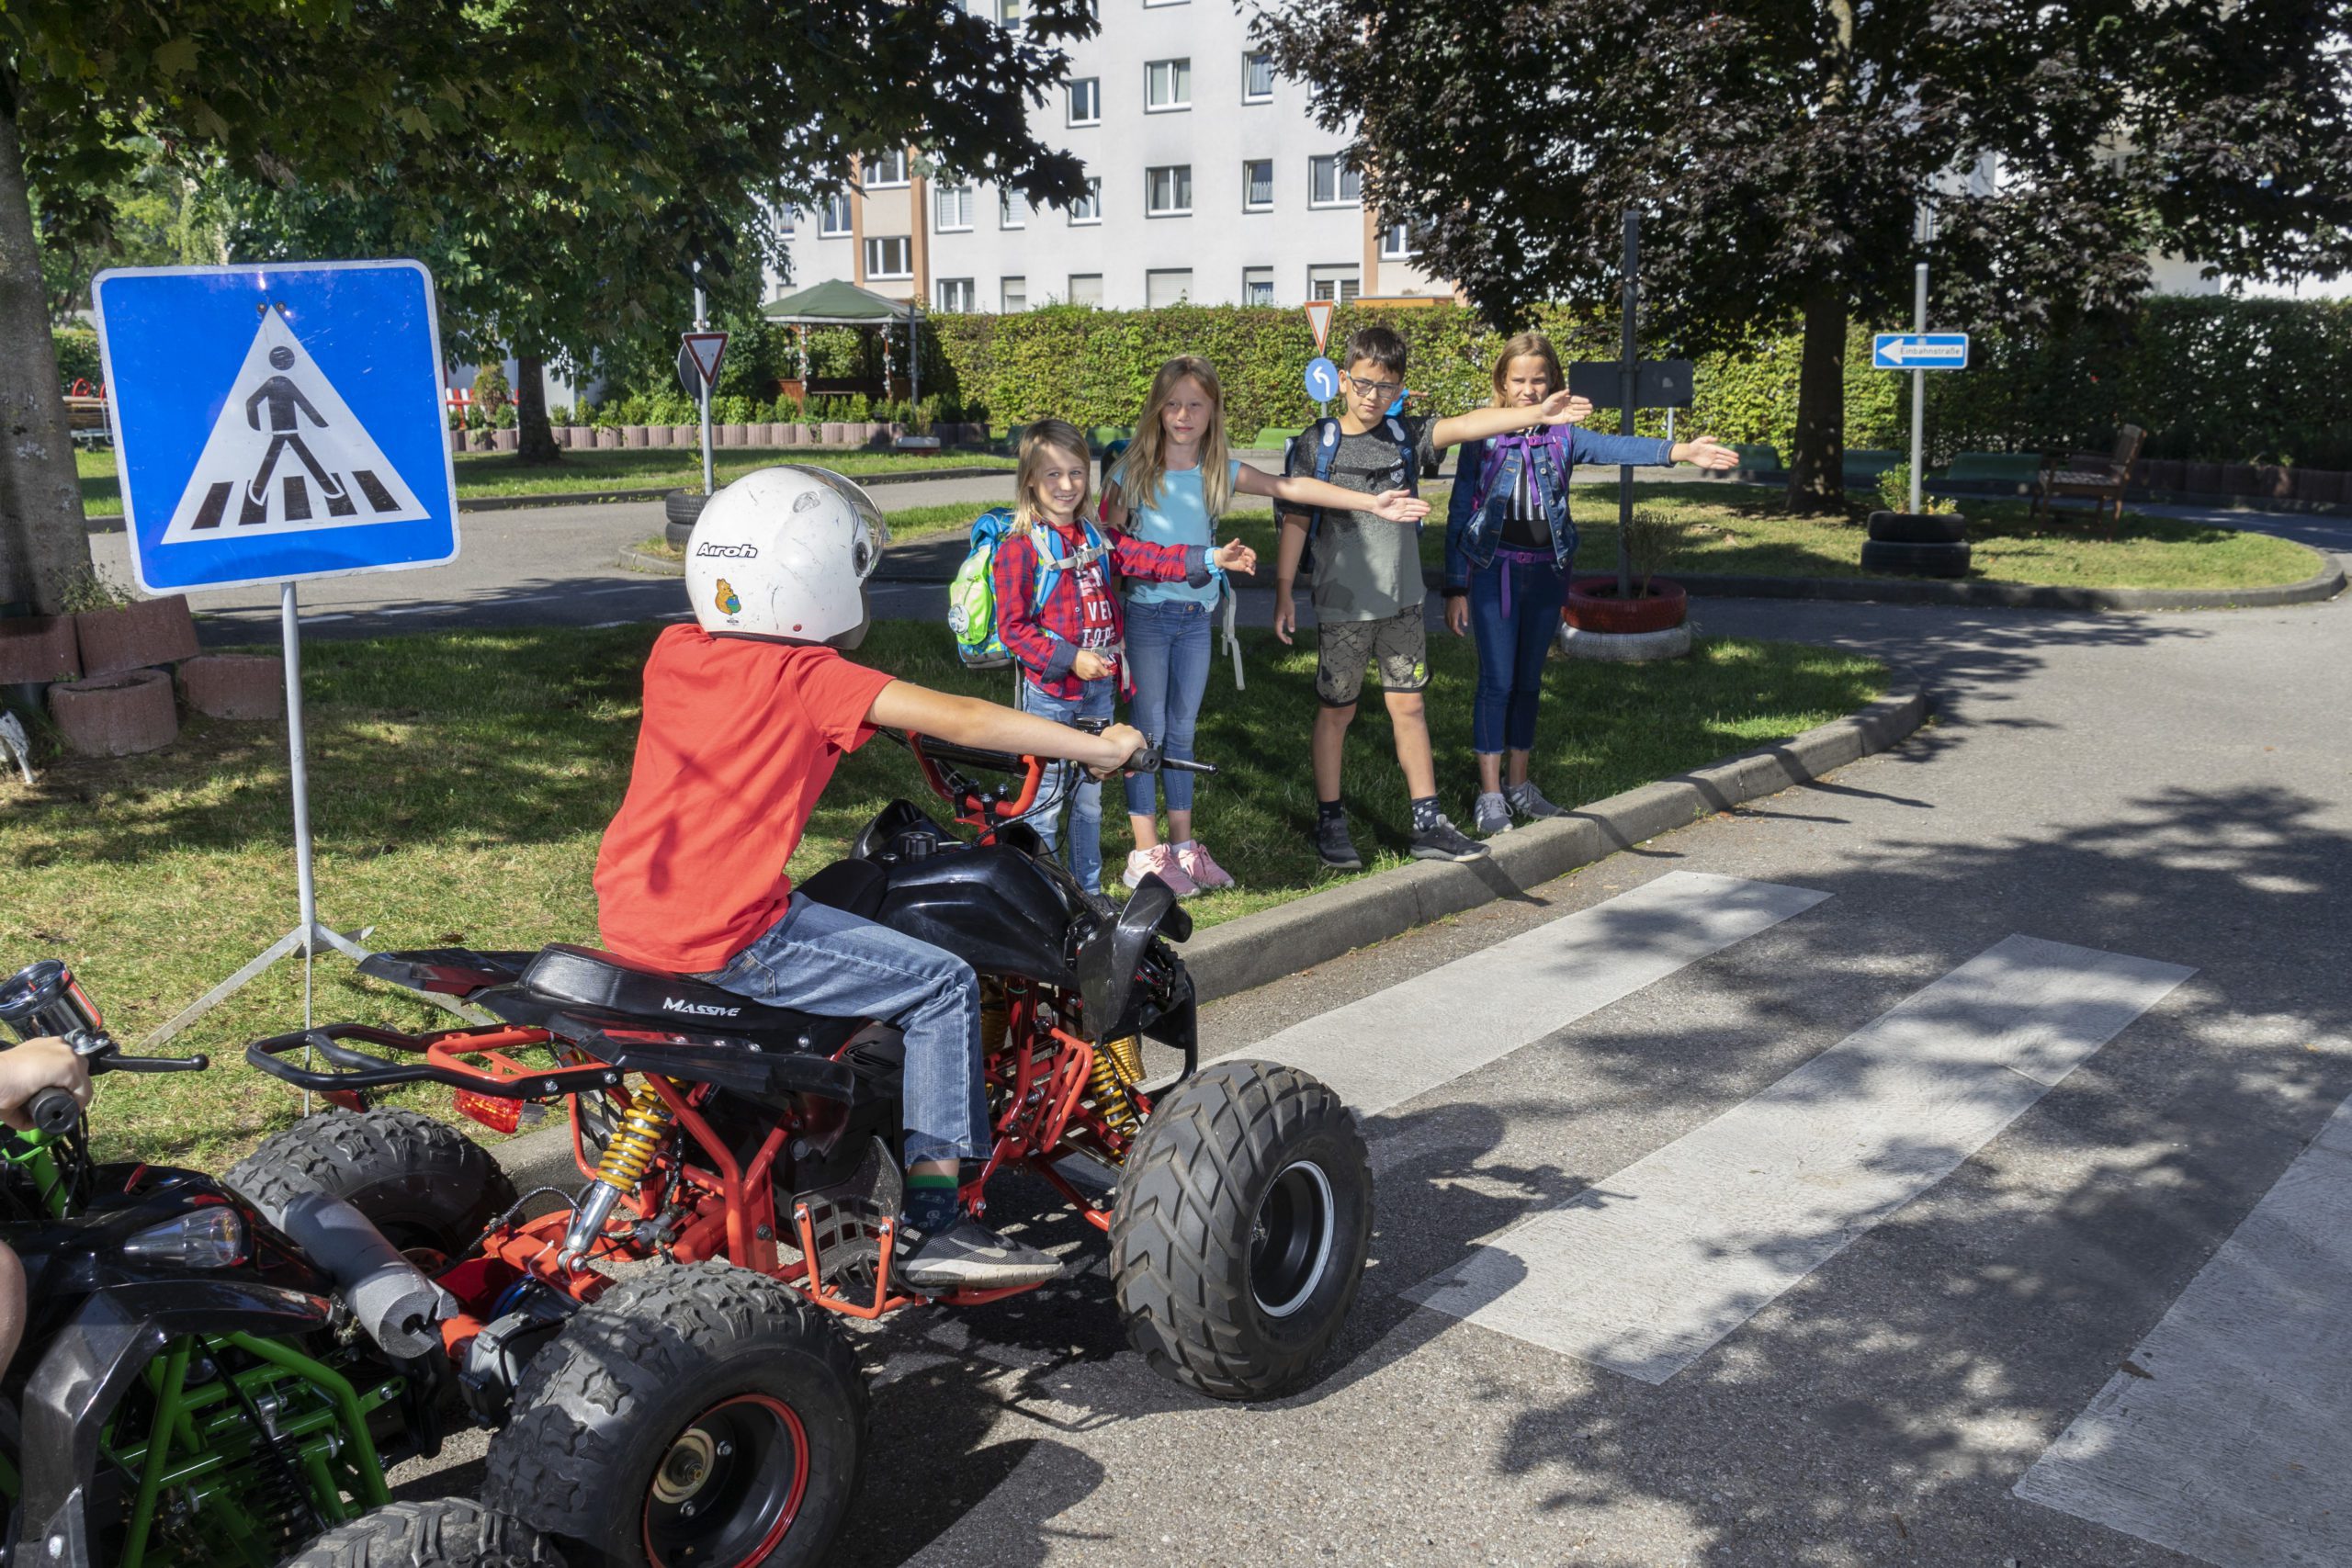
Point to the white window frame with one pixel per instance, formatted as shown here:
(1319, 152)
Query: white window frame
(1253, 274)
(1008, 13)
(965, 288)
(1090, 205)
(1097, 300)
(873, 180)
(1403, 248)
(905, 240)
(1341, 171)
(1339, 287)
(1246, 61)
(825, 229)
(1180, 184)
(1248, 205)
(1012, 209)
(1093, 86)
(1175, 104)
(963, 197)
(1154, 5)
(1005, 295)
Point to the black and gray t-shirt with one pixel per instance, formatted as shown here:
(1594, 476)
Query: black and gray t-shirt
(1366, 568)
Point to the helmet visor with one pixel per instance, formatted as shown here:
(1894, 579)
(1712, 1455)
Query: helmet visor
(873, 534)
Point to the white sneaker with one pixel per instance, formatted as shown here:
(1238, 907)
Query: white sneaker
(1159, 861)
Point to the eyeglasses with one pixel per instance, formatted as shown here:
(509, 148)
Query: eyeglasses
(1383, 390)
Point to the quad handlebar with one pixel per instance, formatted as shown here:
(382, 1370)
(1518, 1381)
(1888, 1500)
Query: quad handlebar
(43, 998)
(989, 809)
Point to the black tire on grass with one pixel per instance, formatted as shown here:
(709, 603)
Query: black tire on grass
(1881, 560)
(1243, 1218)
(429, 1187)
(697, 1416)
(680, 508)
(448, 1532)
(1919, 529)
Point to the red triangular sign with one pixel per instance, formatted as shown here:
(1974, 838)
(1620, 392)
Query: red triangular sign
(1319, 316)
(708, 349)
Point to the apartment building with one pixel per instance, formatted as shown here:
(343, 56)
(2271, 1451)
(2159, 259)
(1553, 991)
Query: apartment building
(1209, 182)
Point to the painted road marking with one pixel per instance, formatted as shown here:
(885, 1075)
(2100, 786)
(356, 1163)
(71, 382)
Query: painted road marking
(1648, 1269)
(1383, 1049)
(2230, 1439)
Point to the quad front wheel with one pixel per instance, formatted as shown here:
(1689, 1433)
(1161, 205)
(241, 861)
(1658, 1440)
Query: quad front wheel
(701, 1417)
(1243, 1218)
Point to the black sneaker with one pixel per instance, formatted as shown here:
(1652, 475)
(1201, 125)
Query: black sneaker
(1444, 840)
(968, 1256)
(1333, 847)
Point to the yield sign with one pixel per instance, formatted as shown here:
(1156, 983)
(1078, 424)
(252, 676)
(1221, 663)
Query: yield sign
(1319, 316)
(708, 349)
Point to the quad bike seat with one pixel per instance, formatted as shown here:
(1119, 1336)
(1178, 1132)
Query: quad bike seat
(586, 976)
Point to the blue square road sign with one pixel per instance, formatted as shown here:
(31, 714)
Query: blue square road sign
(278, 423)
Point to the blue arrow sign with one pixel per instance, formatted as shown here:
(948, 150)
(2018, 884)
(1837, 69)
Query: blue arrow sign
(1919, 351)
(1322, 379)
(274, 424)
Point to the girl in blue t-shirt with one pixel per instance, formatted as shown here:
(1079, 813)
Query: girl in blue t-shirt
(1169, 488)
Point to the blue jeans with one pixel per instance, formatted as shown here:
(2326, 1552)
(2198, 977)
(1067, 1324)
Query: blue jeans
(1512, 649)
(825, 961)
(1085, 856)
(1168, 658)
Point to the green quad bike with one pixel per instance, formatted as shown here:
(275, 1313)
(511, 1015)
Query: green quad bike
(211, 1379)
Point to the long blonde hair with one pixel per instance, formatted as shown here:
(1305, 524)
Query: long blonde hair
(1526, 346)
(1142, 468)
(1061, 436)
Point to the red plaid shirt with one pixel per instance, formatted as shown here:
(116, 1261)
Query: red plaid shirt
(1082, 611)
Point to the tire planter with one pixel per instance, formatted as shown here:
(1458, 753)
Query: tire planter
(1593, 607)
(1625, 648)
(1919, 529)
(680, 508)
(1882, 559)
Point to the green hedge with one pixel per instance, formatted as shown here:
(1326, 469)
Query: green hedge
(77, 356)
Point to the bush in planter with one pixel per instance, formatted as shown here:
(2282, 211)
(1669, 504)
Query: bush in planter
(1652, 542)
(1894, 495)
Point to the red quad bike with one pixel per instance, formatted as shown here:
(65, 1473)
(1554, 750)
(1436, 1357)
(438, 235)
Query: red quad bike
(711, 1415)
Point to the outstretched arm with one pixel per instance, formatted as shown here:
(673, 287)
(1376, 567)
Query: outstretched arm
(1397, 505)
(969, 721)
(1560, 408)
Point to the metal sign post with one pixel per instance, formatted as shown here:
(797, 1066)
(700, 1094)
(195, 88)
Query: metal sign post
(701, 398)
(275, 424)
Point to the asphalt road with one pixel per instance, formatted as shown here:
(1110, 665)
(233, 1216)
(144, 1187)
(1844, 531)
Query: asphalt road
(1984, 1164)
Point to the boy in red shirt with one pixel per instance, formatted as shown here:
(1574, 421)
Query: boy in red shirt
(747, 714)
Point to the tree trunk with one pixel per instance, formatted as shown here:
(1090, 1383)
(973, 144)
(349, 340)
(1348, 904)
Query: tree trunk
(1817, 466)
(535, 439)
(44, 545)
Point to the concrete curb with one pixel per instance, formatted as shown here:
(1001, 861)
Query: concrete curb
(654, 566)
(2324, 584)
(1258, 949)
(597, 497)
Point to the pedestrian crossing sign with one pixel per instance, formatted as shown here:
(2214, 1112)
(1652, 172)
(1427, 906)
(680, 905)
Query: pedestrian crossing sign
(278, 423)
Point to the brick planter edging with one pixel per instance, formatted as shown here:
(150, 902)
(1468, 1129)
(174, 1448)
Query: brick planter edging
(116, 715)
(1258, 949)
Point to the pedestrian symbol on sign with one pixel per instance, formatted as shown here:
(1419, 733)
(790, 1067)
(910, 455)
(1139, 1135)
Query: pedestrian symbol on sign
(281, 429)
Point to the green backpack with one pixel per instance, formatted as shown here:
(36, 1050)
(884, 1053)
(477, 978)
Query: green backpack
(971, 596)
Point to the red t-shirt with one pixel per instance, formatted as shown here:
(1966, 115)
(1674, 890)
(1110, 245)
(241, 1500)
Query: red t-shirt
(739, 740)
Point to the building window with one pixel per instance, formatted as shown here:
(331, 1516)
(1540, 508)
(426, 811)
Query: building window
(1087, 208)
(954, 206)
(1008, 12)
(1012, 294)
(1257, 285)
(1398, 241)
(1340, 283)
(955, 294)
(893, 257)
(1012, 209)
(1333, 182)
(1166, 84)
(1153, 5)
(1086, 288)
(886, 169)
(1257, 185)
(834, 218)
(1170, 288)
(1086, 101)
(1258, 78)
(1167, 193)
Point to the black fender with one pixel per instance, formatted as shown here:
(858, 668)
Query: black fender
(1108, 959)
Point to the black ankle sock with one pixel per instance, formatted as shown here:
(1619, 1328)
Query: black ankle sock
(1329, 811)
(1424, 813)
(931, 1202)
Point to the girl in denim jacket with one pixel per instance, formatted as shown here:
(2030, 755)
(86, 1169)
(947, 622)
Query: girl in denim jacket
(1509, 547)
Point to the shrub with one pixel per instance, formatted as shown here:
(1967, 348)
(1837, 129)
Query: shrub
(78, 356)
(490, 389)
(558, 414)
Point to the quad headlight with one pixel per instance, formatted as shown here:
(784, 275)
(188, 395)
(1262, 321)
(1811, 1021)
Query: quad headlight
(209, 1237)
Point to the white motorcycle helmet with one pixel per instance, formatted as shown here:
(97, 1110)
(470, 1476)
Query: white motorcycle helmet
(782, 555)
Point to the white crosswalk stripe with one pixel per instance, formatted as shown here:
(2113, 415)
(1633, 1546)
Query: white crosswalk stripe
(2228, 1436)
(1651, 1266)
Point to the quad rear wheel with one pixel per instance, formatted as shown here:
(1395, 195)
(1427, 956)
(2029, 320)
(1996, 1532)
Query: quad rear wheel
(700, 1416)
(431, 1190)
(1243, 1219)
(448, 1532)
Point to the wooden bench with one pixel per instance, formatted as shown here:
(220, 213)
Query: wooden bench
(2088, 475)
(85, 422)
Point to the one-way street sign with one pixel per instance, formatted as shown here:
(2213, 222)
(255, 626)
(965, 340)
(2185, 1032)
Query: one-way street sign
(1919, 351)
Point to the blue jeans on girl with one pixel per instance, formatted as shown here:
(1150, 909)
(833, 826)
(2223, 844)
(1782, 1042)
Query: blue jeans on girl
(1514, 615)
(1167, 658)
(1085, 855)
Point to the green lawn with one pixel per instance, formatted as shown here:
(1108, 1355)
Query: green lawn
(460, 782)
(500, 473)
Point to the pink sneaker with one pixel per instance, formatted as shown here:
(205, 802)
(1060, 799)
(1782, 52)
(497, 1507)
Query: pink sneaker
(1205, 872)
(1161, 861)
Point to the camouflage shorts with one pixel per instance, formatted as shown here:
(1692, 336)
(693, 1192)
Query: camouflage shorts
(1399, 645)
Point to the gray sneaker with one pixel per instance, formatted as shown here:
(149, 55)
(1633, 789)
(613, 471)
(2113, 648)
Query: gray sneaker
(1529, 802)
(1444, 840)
(1334, 848)
(1490, 815)
(970, 1256)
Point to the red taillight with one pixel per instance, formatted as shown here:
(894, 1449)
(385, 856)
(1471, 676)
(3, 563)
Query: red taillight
(498, 1114)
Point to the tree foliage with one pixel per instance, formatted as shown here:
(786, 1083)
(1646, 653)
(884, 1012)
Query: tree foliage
(1777, 151)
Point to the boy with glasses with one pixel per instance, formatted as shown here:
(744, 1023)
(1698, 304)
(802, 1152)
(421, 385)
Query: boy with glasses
(1368, 589)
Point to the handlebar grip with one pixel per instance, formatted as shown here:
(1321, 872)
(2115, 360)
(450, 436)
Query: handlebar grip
(54, 1111)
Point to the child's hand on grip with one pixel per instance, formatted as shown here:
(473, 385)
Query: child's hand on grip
(1120, 741)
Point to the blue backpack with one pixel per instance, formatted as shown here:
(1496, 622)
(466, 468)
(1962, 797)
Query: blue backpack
(1324, 433)
(971, 597)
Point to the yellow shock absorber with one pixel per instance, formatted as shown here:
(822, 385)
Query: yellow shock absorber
(995, 1014)
(1118, 1064)
(628, 1155)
